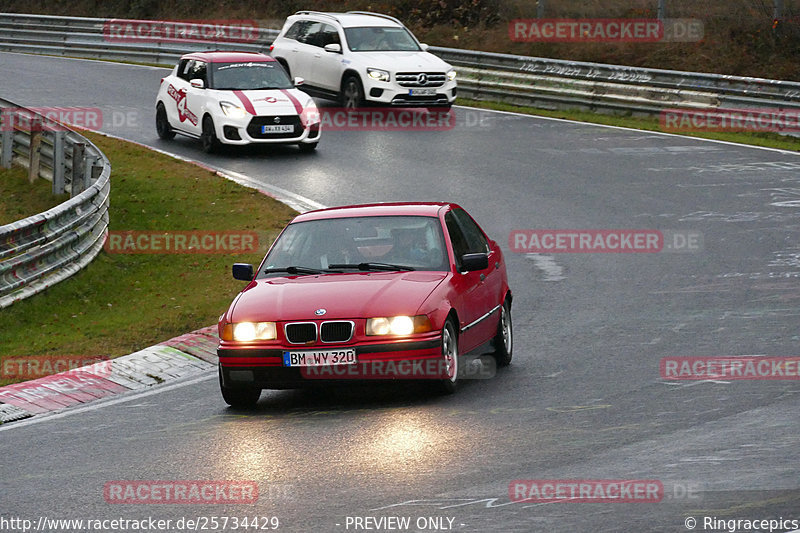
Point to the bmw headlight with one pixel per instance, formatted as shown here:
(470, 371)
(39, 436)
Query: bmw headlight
(378, 74)
(232, 110)
(451, 75)
(398, 325)
(250, 331)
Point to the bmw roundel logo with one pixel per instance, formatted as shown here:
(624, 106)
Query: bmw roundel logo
(320, 312)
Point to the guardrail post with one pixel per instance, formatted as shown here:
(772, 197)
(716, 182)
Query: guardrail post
(7, 129)
(96, 171)
(540, 9)
(777, 12)
(59, 164)
(662, 9)
(34, 156)
(78, 184)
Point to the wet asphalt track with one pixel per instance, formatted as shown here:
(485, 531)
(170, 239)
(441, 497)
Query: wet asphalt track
(583, 398)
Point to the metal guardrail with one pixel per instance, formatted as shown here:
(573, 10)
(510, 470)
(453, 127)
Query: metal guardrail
(86, 37)
(521, 80)
(41, 250)
(558, 83)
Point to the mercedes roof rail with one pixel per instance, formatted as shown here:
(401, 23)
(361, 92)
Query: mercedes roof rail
(388, 17)
(319, 13)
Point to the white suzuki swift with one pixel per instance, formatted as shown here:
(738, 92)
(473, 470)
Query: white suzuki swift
(235, 98)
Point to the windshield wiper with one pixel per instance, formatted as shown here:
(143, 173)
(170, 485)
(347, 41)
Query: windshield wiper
(297, 270)
(372, 266)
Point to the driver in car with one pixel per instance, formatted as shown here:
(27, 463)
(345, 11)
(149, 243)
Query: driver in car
(410, 247)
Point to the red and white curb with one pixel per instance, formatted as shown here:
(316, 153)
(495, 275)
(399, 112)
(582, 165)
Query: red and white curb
(180, 357)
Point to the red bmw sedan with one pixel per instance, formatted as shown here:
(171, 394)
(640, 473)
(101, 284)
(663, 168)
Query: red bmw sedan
(366, 292)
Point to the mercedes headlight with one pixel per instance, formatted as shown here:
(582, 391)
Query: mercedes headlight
(378, 74)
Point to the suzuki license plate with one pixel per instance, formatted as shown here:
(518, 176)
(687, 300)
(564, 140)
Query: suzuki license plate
(282, 128)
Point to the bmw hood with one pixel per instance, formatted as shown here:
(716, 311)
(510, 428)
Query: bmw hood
(357, 295)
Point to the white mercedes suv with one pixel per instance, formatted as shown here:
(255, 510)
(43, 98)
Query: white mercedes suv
(359, 57)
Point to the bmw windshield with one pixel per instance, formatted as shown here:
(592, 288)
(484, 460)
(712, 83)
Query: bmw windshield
(378, 243)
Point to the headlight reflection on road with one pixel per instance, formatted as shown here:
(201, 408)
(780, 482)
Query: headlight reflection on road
(246, 456)
(394, 441)
(404, 444)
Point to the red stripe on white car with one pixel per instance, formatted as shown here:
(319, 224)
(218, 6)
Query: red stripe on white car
(297, 105)
(248, 105)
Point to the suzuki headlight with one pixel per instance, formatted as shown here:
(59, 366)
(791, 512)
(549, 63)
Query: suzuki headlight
(378, 74)
(310, 115)
(232, 110)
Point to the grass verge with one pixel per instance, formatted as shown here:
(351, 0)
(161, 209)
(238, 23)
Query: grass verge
(122, 303)
(20, 199)
(768, 140)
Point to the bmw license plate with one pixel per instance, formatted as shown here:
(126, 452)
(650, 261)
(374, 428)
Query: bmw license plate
(281, 128)
(320, 358)
(421, 92)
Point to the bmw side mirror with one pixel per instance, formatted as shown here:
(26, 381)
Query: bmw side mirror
(243, 271)
(299, 81)
(197, 83)
(472, 262)
(333, 47)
